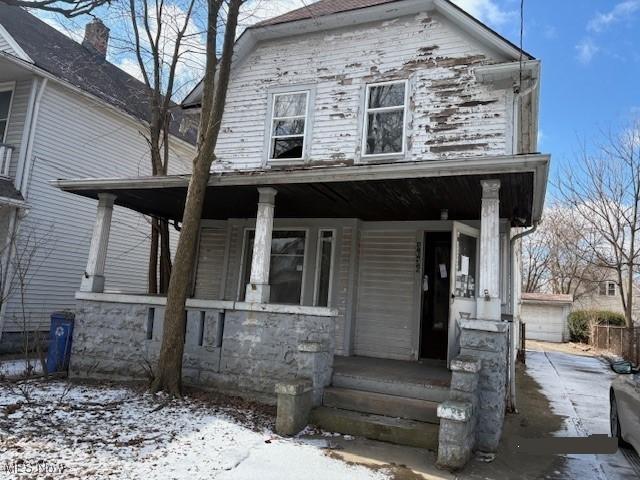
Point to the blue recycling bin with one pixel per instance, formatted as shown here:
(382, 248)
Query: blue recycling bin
(60, 336)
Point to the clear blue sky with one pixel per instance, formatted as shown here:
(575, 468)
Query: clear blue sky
(590, 53)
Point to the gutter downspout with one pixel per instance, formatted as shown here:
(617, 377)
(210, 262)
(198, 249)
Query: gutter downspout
(511, 371)
(25, 163)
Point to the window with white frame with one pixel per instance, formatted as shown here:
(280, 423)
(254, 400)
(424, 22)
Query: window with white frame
(286, 267)
(324, 268)
(384, 118)
(288, 125)
(5, 108)
(608, 289)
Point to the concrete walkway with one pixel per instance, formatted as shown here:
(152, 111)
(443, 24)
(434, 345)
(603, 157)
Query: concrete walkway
(578, 390)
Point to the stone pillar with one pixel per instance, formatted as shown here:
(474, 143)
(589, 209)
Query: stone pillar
(294, 406)
(487, 341)
(488, 300)
(459, 415)
(258, 288)
(93, 279)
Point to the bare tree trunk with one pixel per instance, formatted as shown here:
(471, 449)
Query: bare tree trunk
(152, 273)
(216, 80)
(165, 257)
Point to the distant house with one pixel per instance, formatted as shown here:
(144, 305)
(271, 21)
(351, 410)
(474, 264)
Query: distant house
(377, 161)
(606, 296)
(65, 111)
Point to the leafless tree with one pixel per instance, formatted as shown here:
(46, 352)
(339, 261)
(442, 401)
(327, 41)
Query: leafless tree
(602, 190)
(224, 21)
(162, 38)
(535, 262)
(68, 8)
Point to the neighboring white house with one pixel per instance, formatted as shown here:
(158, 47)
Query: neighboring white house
(545, 316)
(65, 111)
(606, 296)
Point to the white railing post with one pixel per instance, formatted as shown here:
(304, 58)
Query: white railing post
(488, 300)
(93, 279)
(258, 289)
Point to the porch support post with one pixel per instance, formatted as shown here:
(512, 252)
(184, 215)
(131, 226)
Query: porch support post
(488, 300)
(93, 279)
(258, 288)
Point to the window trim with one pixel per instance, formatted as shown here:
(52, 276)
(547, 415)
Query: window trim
(244, 259)
(365, 120)
(316, 282)
(8, 87)
(308, 124)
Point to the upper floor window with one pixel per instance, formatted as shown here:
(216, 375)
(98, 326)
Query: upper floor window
(608, 289)
(5, 107)
(288, 125)
(384, 118)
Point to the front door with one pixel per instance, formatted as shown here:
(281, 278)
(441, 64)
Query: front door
(435, 295)
(463, 278)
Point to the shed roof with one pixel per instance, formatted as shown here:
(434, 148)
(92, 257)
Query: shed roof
(62, 57)
(547, 298)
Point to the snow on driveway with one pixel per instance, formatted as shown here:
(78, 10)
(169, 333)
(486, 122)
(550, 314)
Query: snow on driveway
(577, 388)
(81, 431)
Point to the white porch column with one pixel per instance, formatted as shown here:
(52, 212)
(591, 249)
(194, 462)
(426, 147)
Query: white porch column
(258, 287)
(93, 279)
(488, 301)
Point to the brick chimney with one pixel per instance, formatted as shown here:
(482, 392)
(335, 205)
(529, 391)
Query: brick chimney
(96, 37)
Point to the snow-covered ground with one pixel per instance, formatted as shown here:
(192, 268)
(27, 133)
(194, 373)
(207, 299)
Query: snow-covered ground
(19, 368)
(82, 431)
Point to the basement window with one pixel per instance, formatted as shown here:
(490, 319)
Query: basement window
(288, 125)
(384, 118)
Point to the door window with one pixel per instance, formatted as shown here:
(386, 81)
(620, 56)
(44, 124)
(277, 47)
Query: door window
(465, 285)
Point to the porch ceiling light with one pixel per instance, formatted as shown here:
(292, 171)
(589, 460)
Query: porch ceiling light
(444, 214)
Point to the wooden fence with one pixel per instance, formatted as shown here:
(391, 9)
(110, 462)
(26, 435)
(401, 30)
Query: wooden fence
(621, 341)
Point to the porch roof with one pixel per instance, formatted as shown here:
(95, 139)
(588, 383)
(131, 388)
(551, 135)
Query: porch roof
(371, 192)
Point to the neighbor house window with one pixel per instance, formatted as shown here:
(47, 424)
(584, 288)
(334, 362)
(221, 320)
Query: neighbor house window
(324, 268)
(5, 108)
(286, 267)
(384, 118)
(288, 125)
(608, 289)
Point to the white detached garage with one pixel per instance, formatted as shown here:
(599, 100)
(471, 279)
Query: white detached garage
(545, 316)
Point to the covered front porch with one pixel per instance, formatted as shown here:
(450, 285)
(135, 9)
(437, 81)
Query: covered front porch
(385, 288)
(400, 252)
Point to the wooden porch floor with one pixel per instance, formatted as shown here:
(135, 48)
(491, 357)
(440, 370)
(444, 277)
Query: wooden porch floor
(424, 372)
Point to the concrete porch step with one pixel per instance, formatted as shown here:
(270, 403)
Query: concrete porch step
(431, 392)
(381, 404)
(377, 427)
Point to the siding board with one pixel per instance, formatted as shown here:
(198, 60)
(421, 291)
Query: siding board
(210, 264)
(386, 294)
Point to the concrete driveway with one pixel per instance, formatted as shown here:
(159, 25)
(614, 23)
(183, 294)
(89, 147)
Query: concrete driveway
(577, 388)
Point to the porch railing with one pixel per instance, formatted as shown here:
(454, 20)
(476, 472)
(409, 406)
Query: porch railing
(5, 159)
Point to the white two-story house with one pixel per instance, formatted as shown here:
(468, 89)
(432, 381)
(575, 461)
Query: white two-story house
(384, 156)
(65, 111)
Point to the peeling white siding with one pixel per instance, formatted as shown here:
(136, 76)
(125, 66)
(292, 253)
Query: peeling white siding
(450, 114)
(76, 138)
(386, 294)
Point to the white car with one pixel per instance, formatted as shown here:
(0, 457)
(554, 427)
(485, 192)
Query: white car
(624, 398)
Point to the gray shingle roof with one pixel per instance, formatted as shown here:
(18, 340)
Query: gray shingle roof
(68, 60)
(320, 8)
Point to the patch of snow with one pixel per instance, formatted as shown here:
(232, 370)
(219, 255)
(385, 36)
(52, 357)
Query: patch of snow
(19, 368)
(101, 431)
